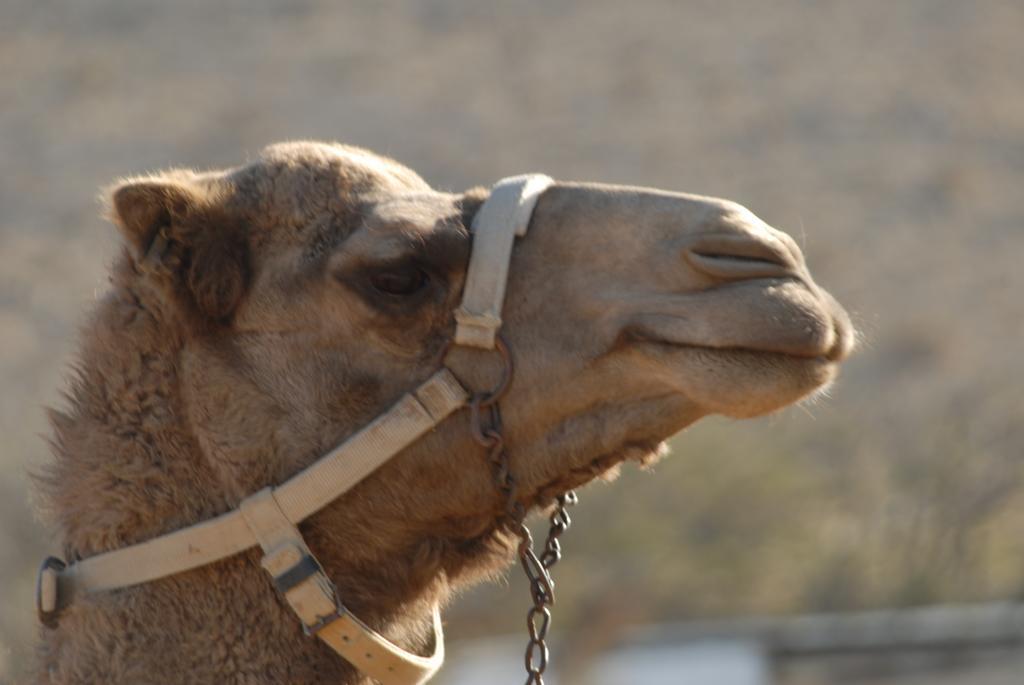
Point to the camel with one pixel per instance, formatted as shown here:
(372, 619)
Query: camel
(259, 315)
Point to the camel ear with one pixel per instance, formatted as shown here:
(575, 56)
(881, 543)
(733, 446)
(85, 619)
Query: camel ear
(143, 209)
(218, 273)
(181, 231)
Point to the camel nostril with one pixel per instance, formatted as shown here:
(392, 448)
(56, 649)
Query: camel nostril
(736, 257)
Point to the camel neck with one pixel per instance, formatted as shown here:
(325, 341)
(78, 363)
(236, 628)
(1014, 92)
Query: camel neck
(126, 465)
(129, 467)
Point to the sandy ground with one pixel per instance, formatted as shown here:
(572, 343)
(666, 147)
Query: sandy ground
(888, 137)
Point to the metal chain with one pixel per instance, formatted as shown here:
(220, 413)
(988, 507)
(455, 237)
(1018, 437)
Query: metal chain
(485, 424)
(542, 586)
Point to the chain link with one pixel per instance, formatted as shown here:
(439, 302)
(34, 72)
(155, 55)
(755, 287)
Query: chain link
(485, 425)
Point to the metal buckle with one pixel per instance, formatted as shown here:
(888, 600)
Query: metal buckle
(324, 621)
(47, 591)
(305, 587)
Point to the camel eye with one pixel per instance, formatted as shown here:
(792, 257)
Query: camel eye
(402, 281)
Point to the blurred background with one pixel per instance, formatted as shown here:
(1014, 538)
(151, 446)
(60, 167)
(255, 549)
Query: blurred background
(887, 137)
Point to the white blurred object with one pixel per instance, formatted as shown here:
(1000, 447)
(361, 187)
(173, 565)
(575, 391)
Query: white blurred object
(494, 661)
(712, 662)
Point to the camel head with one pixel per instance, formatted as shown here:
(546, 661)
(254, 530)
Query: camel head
(312, 287)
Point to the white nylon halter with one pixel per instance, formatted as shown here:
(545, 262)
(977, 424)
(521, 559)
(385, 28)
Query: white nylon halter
(269, 517)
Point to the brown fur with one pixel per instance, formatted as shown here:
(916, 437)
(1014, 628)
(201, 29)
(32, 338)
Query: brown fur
(256, 340)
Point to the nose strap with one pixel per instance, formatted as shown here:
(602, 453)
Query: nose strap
(504, 216)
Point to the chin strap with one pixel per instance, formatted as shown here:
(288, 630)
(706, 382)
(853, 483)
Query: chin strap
(300, 579)
(269, 517)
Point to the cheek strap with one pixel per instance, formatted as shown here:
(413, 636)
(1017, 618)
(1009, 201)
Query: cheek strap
(269, 519)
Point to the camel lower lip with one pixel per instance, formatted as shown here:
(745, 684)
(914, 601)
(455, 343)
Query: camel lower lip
(760, 316)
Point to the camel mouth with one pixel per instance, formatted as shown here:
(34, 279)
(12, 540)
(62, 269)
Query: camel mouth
(740, 382)
(833, 355)
(789, 318)
(829, 358)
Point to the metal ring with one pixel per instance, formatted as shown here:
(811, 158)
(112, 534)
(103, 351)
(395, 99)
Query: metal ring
(486, 399)
(49, 616)
(506, 376)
